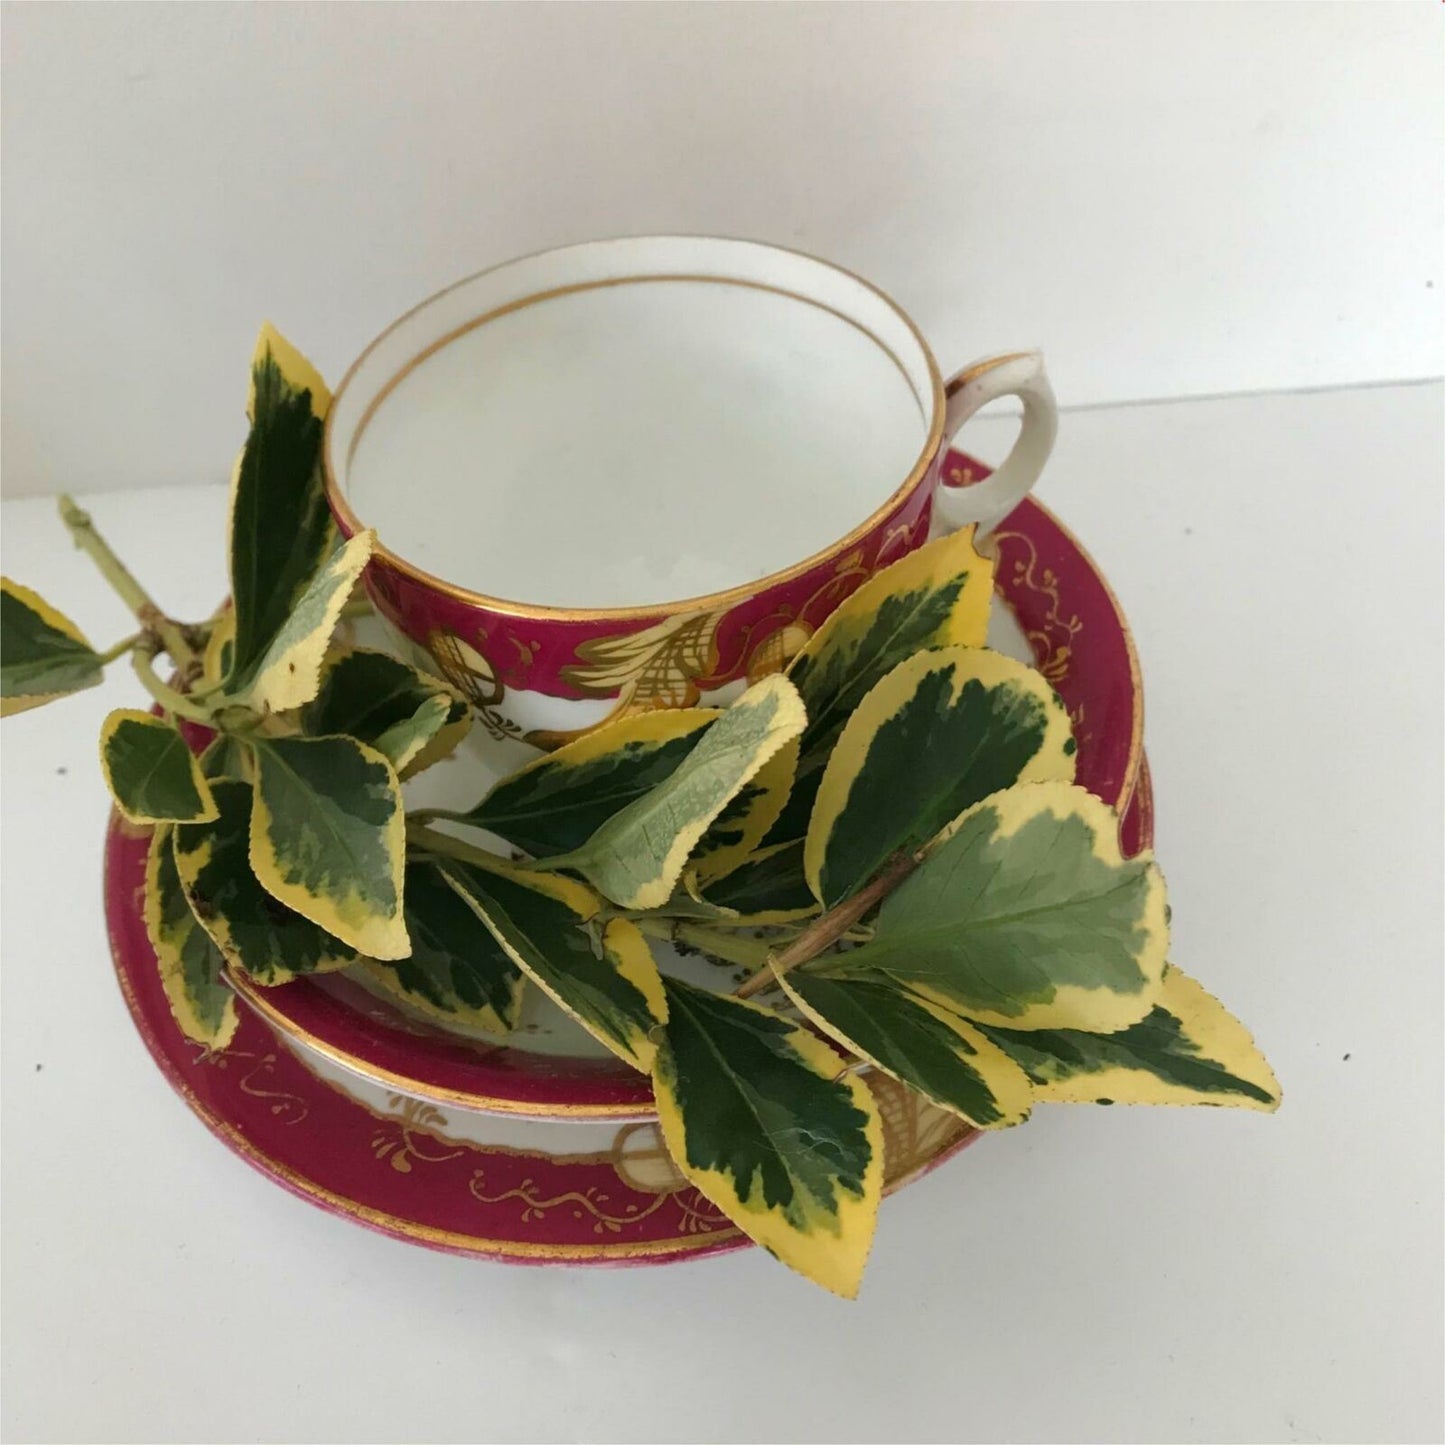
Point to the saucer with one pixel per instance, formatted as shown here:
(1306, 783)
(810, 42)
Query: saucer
(1058, 612)
(527, 1191)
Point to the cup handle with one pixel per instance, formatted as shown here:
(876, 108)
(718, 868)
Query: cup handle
(986, 503)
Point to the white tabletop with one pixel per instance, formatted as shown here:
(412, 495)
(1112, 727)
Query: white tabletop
(1099, 1274)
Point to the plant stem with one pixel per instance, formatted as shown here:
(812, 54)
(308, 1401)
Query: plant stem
(82, 529)
(745, 952)
(422, 816)
(121, 647)
(423, 837)
(168, 697)
(820, 935)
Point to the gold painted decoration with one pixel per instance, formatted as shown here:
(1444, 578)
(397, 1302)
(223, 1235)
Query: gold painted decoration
(656, 667)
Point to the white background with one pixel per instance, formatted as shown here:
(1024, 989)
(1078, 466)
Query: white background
(1172, 200)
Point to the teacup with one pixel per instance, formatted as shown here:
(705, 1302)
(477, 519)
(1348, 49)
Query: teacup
(552, 451)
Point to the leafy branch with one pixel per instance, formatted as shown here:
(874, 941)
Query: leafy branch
(886, 836)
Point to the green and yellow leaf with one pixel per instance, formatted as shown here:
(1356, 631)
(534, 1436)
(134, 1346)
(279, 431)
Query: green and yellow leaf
(281, 532)
(152, 775)
(637, 856)
(746, 821)
(759, 1115)
(609, 984)
(456, 971)
(226, 756)
(918, 1042)
(1188, 1050)
(43, 654)
(940, 733)
(1026, 915)
(558, 801)
(287, 674)
(938, 596)
(770, 887)
(220, 648)
(190, 963)
(328, 838)
(254, 932)
(386, 703)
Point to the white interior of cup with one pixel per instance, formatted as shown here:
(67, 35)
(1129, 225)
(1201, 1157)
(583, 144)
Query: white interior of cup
(631, 422)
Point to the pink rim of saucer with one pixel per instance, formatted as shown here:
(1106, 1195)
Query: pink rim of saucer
(391, 1173)
(1081, 644)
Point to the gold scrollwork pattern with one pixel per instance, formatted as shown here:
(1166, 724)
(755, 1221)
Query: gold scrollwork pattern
(1053, 642)
(591, 1201)
(476, 679)
(287, 1107)
(401, 1144)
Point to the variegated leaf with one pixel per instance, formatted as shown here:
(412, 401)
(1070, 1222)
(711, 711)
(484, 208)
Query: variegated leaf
(608, 983)
(220, 649)
(254, 932)
(152, 775)
(637, 856)
(940, 733)
(328, 838)
(556, 802)
(1188, 1050)
(190, 963)
(1026, 915)
(281, 532)
(759, 1115)
(456, 971)
(287, 673)
(226, 756)
(387, 704)
(770, 887)
(745, 822)
(43, 654)
(917, 1041)
(937, 596)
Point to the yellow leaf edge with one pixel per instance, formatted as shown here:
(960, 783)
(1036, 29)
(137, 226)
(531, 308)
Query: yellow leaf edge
(293, 677)
(775, 778)
(108, 729)
(622, 941)
(1217, 1035)
(834, 1259)
(1051, 763)
(223, 630)
(168, 961)
(1090, 1010)
(376, 934)
(52, 617)
(384, 977)
(663, 725)
(932, 565)
(296, 371)
(189, 866)
(787, 723)
(1010, 1086)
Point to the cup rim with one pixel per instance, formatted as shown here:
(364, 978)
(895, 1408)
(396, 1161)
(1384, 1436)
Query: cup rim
(350, 523)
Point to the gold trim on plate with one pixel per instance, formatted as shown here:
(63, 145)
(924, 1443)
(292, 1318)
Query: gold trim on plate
(255, 998)
(425, 1234)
